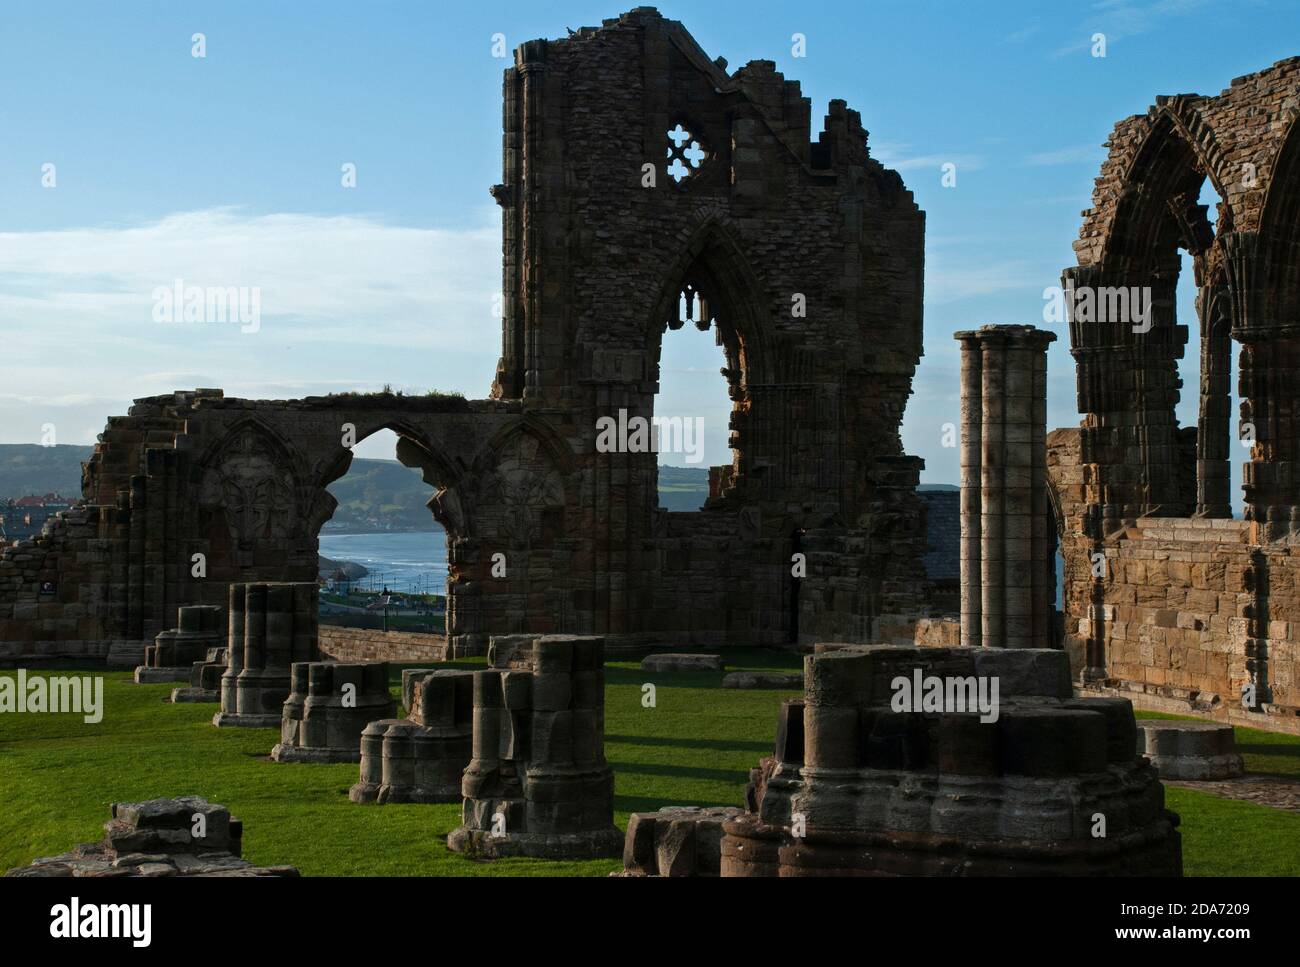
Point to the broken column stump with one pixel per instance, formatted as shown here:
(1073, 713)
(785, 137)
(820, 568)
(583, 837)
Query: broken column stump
(538, 783)
(272, 625)
(676, 841)
(863, 784)
(174, 652)
(186, 836)
(422, 757)
(329, 706)
(1189, 750)
(205, 679)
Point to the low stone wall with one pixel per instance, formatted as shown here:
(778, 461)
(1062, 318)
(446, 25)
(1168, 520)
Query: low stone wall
(923, 632)
(362, 644)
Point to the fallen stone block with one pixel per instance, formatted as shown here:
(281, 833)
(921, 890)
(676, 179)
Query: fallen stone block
(673, 662)
(755, 680)
(676, 841)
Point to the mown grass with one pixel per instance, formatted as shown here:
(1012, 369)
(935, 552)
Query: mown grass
(58, 776)
(1231, 837)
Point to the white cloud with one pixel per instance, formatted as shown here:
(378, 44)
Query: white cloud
(76, 304)
(1120, 19)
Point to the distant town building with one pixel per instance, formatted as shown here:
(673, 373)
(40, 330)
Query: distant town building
(23, 517)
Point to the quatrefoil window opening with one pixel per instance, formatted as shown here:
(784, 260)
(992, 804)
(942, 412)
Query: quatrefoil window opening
(685, 155)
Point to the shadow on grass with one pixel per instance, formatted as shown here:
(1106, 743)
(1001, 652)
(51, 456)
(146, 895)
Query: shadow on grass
(1254, 749)
(637, 677)
(680, 772)
(722, 745)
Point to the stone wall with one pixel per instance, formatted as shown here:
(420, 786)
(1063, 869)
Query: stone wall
(1187, 606)
(361, 645)
(1179, 613)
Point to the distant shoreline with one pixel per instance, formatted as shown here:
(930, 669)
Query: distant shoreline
(410, 530)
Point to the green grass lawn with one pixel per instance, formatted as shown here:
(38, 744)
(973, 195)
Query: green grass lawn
(1230, 837)
(696, 747)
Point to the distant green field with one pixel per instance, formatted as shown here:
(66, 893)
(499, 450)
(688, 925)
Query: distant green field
(695, 747)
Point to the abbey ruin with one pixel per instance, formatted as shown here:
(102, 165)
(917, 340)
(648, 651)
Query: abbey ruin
(644, 189)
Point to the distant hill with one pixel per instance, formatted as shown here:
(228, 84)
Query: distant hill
(384, 495)
(683, 488)
(28, 468)
(380, 495)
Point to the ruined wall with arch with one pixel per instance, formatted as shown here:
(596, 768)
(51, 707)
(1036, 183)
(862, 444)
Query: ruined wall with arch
(634, 168)
(1166, 597)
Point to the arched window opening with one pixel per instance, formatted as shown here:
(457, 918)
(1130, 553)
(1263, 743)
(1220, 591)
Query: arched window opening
(383, 558)
(698, 382)
(1207, 370)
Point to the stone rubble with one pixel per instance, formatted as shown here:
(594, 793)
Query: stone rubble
(157, 838)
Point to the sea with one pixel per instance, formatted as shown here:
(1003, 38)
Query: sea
(413, 562)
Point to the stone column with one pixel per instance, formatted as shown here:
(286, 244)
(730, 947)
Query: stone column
(272, 626)
(972, 380)
(1005, 531)
(1213, 437)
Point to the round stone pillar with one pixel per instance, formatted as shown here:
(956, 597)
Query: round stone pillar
(1006, 538)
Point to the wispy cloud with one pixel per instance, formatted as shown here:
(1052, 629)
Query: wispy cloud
(1076, 154)
(1121, 19)
(1024, 33)
(900, 157)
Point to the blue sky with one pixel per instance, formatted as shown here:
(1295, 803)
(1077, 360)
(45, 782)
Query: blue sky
(225, 170)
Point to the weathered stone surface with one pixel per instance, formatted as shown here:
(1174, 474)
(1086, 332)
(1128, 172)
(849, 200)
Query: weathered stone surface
(676, 841)
(194, 696)
(538, 783)
(420, 758)
(174, 652)
(1016, 794)
(205, 679)
(187, 836)
(272, 627)
(677, 662)
(1007, 544)
(762, 680)
(1189, 750)
(329, 706)
(1168, 601)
